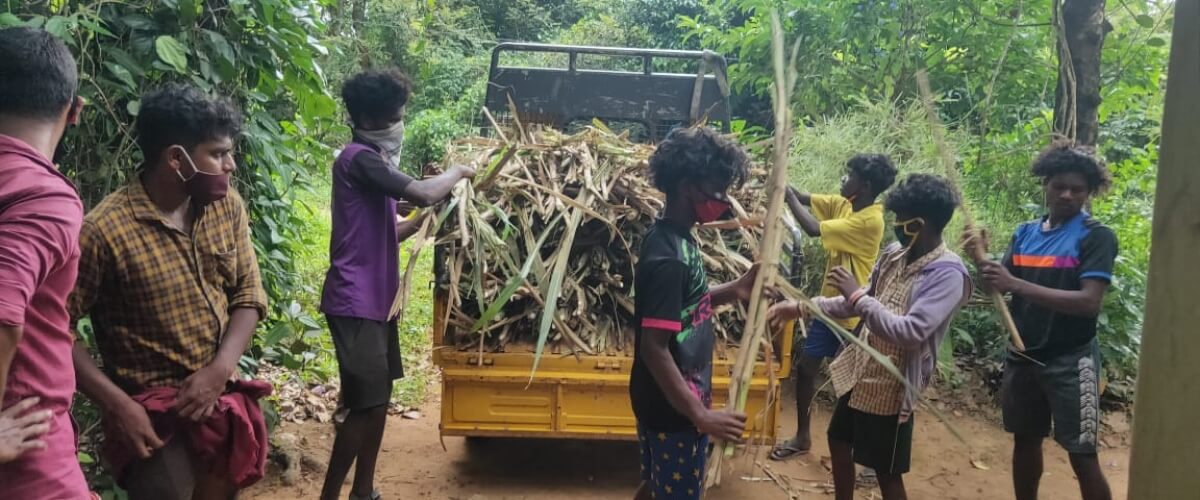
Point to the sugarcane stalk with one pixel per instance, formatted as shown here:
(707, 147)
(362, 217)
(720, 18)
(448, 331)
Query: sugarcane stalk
(947, 156)
(770, 246)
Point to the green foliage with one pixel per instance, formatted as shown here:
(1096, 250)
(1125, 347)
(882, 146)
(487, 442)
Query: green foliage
(515, 20)
(852, 48)
(416, 341)
(901, 131)
(427, 134)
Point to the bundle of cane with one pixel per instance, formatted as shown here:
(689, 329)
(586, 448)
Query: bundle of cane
(975, 250)
(539, 253)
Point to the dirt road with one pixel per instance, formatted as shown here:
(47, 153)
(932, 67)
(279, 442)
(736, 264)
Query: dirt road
(414, 466)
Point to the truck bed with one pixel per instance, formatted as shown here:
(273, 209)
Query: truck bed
(584, 396)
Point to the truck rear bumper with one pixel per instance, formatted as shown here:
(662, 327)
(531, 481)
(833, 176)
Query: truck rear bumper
(580, 398)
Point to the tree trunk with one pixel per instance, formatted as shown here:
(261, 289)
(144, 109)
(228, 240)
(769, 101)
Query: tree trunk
(1077, 100)
(1165, 451)
(358, 14)
(336, 21)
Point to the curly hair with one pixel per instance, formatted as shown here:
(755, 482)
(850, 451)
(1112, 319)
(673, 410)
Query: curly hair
(376, 95)
(1061, 157)
(876, 169)
(38, 76)
(697, 154)
(926, 196)
(184, 115)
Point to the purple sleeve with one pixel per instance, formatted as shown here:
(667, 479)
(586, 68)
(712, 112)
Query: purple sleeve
(941, 293)
(835, 307)
(369, 171)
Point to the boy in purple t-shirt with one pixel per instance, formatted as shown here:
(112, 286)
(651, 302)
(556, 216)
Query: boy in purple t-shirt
(363, 273)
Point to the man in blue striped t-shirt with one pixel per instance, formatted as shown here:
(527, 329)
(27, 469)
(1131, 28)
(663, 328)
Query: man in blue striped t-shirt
(1057, 269)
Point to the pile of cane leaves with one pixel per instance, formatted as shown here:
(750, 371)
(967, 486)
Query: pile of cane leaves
(540, 251)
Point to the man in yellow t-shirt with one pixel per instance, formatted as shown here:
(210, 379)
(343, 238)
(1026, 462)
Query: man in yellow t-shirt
(850, 225)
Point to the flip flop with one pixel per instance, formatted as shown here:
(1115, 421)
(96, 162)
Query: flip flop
(784, 451)
(866, 477)
(373, 496)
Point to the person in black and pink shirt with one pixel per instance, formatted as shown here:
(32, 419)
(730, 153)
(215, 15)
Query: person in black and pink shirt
(671, 382)
(1057, 269)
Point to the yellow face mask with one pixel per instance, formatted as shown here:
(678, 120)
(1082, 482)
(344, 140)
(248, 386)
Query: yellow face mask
(904, 234)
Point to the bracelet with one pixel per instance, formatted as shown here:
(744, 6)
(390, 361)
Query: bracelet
(857, 296)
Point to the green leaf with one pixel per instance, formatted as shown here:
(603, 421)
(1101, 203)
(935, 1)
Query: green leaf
(1156, 42)
(516, 281)
(171, 52)
(57, 26)
(133, 107)
(139, 22)
(96, 27)
(1145, 21)
(84, 458)
(126, 61)
(7, 19)
(122, 74)
(561, 263)
(309, 322)
(187, 12)
(221, 45)
(276, 334)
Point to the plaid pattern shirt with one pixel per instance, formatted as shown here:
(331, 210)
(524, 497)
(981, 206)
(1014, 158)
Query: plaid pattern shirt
(875, 390)
(160, 298)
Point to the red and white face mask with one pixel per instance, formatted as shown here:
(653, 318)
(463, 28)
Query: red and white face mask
(709, 208)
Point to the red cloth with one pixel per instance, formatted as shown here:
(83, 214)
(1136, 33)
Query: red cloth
(40, 216)
(233, 440)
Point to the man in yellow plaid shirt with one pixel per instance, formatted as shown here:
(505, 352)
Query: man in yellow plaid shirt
(169, 278)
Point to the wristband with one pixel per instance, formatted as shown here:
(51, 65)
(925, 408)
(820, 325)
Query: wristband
(857, 296)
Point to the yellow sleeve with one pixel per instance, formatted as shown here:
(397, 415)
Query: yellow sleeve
(249, 292)
(828, 206)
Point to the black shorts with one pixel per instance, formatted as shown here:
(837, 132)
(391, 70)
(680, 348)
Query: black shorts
(1066, 392)
(880, 442)
(368, 355)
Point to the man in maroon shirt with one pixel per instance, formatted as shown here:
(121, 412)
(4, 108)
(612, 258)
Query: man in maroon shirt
(40, 216)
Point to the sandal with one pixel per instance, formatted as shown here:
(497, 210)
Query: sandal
(373, 496)
(866, 477)
(784, 451)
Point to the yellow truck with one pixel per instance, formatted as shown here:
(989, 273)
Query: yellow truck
(587, 396)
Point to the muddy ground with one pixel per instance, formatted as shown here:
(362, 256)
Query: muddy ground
(413, 465)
